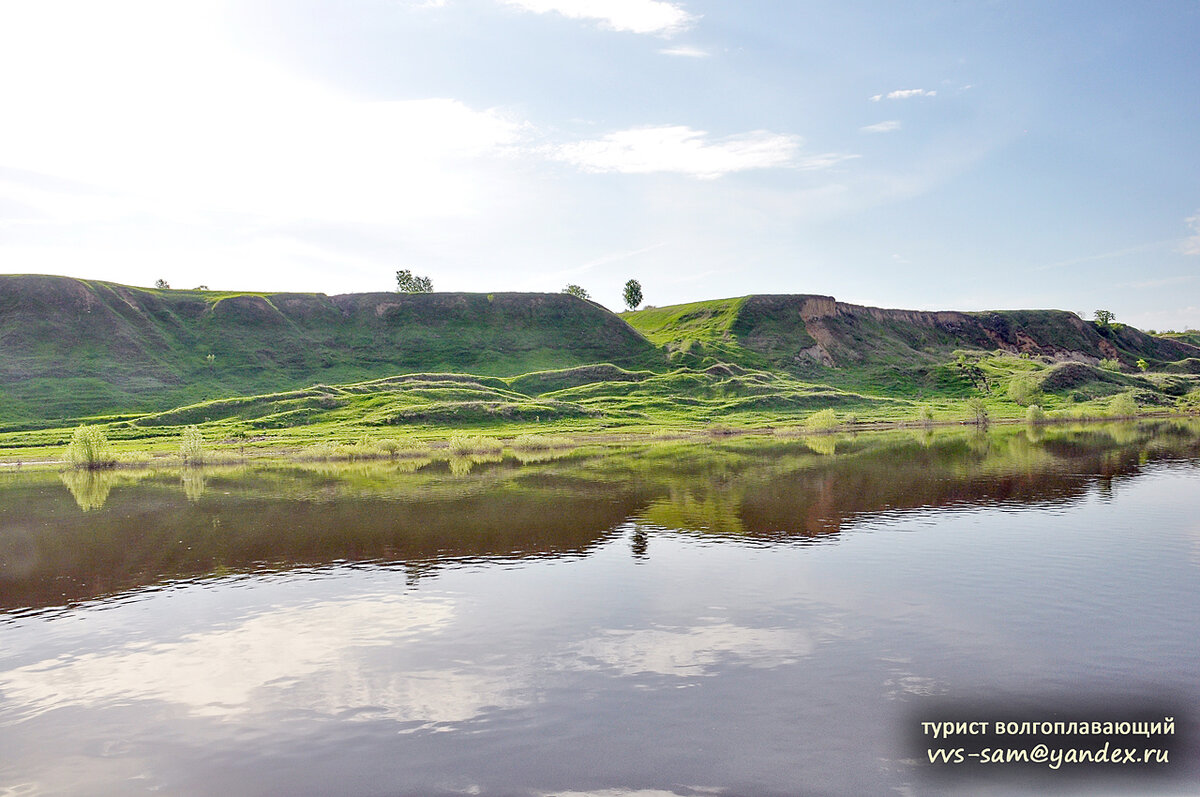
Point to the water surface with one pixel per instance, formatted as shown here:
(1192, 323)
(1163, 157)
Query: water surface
(747, 617)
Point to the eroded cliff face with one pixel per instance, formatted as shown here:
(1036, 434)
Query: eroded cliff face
(808, 328)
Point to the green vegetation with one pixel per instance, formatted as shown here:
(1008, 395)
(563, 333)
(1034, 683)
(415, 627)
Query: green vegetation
(1123, 405)
(89, 449)
(464, 445)
(1023, 389)
(575, 290)
(632, 294)
(978, 411)
(191, 446)
(823, 420)
(407, 283)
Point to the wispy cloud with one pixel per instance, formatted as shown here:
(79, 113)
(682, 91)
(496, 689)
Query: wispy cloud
(904, 94)
(635, 16)
(686, 52)
(1191, 244)
(682, 150)
(1160, 283)
(882, 127)
(605, 259)
(1103, 256)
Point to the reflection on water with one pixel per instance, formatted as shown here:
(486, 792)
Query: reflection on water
(742, 617)
(693, 651)
(225, 670)
(89, 488)
(139, 528)
(822, 444)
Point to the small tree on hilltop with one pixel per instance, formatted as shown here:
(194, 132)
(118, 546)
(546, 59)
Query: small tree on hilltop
(576, 291)
(633, 294)
(161, 284)
(407, 283)
(1104, 318)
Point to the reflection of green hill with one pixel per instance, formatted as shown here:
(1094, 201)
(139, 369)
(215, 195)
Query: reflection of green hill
(170, 525)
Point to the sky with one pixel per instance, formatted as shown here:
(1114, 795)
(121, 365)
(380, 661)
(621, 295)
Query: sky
(948, 154)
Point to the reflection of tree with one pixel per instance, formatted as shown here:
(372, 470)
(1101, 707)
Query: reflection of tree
(89, 487)
(717, 511)
(542, 455)
(639, 543)
(461, 466)
(822, 444)
(193, 483)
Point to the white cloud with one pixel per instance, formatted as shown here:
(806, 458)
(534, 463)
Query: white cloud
(686, 652)
(1191, 244)
(682, 150)
(904, 94)
(635, 16)
(686, 52)
(882, 127)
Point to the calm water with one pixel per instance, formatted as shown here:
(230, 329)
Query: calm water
(750, 617)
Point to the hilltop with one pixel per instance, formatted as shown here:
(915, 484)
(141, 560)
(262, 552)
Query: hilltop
(146, 361)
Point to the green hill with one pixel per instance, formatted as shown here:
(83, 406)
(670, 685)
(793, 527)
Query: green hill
(148, 361)
(72, 347)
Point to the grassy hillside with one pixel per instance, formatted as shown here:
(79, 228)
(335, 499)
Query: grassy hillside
(73, 347)
(305, 367)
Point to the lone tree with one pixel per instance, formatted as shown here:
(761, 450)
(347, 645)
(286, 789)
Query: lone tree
(576, 291)
(633, 294)
(407, 283)
(161, 284)
(1104, 318)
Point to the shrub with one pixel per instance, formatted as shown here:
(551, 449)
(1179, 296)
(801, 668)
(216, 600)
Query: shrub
(1109, 364)
(1023, 389)
(533, 442)
(1123, 405)
(926, 414)
(89, 448)
(461, 445)
(191, 446)
(1035, 414)
(822, 419)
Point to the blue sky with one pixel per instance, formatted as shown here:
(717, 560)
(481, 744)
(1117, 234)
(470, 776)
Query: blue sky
(937, 155)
